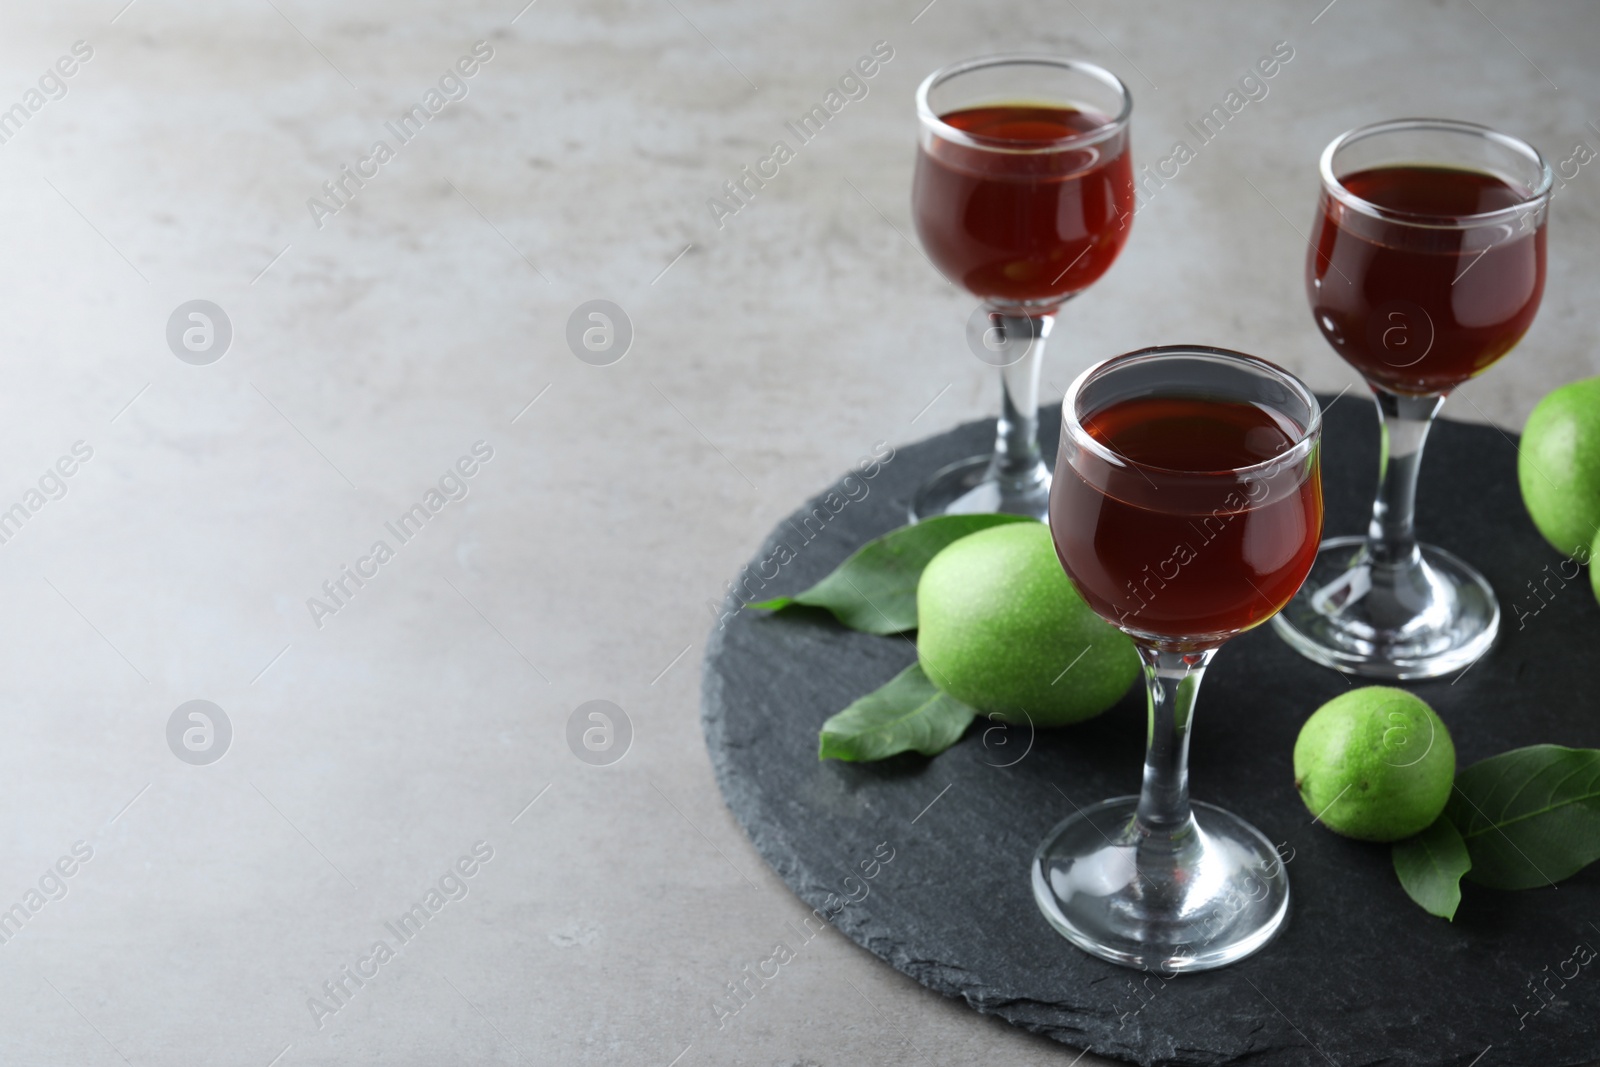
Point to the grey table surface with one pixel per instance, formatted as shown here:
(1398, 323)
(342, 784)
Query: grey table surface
(373, 742)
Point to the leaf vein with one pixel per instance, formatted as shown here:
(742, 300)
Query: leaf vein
(1514, 820)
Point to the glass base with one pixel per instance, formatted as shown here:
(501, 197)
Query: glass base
(1407, 623)
(972, 486)
(1204, 897)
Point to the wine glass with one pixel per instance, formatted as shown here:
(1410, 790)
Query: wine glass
(1428, 267)
(1186, 508)
(1023, 196)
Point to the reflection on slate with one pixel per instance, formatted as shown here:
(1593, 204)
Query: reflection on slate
(1360, 976)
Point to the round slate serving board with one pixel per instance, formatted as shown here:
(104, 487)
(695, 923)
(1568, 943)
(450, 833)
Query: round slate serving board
(1360, 976)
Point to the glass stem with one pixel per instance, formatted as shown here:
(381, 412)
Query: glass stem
(1391, 537)
(1018, 465)
(1173, 681)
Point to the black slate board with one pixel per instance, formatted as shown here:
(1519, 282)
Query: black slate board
(1360, 976)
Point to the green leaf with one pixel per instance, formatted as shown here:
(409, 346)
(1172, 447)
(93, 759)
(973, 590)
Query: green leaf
(909, 714)
(1530, 817)
(1430, 867)
(875, 590)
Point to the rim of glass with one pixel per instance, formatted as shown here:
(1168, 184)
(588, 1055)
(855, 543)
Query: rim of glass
(1539, 195)
(1072, 426)
(947, 132)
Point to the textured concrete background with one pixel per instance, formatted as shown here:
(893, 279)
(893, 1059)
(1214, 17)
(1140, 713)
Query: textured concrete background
(371, 751)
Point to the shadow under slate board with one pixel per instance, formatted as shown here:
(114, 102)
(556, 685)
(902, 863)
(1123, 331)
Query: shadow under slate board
(1361, 975)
